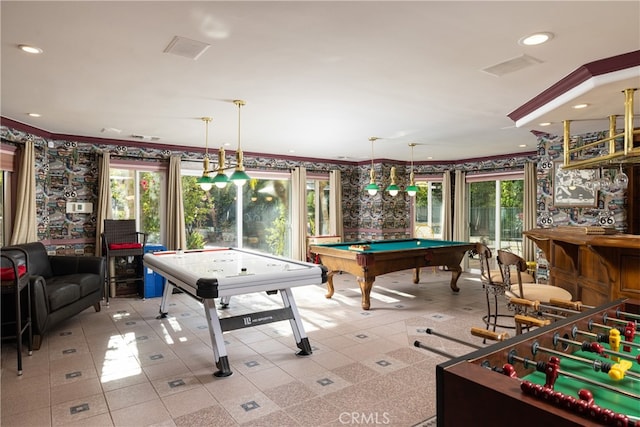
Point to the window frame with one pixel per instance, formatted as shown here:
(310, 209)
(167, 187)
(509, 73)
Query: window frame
(139, 167)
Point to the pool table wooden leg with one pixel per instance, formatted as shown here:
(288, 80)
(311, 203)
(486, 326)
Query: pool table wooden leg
(416, 275)
(330, 289)
(456, 271)
(365, 288)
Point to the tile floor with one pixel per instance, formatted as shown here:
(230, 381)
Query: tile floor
(124, 367)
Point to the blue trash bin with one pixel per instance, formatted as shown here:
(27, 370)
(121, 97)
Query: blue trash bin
(153, 282)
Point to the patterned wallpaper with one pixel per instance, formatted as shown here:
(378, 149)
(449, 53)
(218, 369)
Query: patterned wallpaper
(67, 171)
(609, 204)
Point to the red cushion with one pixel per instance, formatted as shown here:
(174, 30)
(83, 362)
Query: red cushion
(117, 246)
(6, 273)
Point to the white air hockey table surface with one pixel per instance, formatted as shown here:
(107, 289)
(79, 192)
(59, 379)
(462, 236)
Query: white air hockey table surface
(223, 272)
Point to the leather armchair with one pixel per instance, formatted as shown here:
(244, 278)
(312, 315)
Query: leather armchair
(62, 286)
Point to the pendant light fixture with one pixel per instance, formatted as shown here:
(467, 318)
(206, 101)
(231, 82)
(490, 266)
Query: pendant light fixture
(393, 188)
(205, 181)
(372, 188)
(412, 189)
(239, 177)
(221, 180)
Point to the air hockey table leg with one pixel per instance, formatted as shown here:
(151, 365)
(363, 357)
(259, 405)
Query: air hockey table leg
(296, 323)
(166, 295)
(217, 340)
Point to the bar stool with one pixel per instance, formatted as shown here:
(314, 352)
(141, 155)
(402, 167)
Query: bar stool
(494, 286)
(513, 269)
(14, 279)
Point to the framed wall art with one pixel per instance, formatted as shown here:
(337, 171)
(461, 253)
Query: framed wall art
(574, 187)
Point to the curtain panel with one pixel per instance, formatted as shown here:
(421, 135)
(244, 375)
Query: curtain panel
(176, 231)
(24, 223)
(336, 227)
(299, 213)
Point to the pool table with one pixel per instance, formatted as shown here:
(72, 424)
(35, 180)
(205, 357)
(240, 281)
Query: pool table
(368, 259)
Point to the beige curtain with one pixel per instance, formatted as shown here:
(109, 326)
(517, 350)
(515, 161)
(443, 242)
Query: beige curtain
(299, 213)
(447, 232)
(530, 207)
(103, 210)
(336, 226)
(460, 209)
(24, 224)
(176, 233)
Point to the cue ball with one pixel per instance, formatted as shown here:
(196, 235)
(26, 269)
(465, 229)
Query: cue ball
(418, 243)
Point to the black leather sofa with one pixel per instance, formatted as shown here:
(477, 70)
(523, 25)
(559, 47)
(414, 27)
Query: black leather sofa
(61, 285)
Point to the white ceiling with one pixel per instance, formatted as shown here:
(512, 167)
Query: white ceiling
(319, 78)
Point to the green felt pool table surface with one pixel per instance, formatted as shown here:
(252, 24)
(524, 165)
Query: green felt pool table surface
(395, 245)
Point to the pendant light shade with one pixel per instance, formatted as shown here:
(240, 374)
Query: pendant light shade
(239, 176)
(372, 188)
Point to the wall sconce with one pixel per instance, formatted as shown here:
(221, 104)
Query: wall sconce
(372, 188)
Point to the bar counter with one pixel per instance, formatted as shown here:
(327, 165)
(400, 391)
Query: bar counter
(595, 268)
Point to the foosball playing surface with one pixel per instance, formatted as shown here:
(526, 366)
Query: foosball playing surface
(583, 370)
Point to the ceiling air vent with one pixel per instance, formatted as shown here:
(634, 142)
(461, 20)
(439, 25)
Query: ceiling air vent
(188, 48)
(512, 65)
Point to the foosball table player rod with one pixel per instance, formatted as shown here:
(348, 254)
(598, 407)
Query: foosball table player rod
(615, 371)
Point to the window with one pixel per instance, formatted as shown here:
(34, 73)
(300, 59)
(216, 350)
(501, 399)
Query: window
(138, 192)
(266, 215)
(496, 210)
(211, 217)
(318, 197)
(7, 157)
(427, 218)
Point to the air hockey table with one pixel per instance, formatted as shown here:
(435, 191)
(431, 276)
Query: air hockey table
(223, 272)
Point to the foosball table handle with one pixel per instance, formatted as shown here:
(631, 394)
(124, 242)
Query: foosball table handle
(531, 321)
(525, 302)
(572, 305)
(493, 336)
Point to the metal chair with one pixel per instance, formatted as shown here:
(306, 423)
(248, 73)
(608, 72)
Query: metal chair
(121, 239)
(513, 267)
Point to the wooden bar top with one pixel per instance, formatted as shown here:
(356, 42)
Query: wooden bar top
(579, 237)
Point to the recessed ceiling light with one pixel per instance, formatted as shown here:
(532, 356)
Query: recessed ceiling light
(544, 124)
(579, 106)
(535, 39)
(30, 49)
(35, 115)
(430, 158)
(292, 151)
(522, 145)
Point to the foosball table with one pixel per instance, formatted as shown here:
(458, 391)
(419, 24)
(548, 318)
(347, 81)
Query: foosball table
(582, 370)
